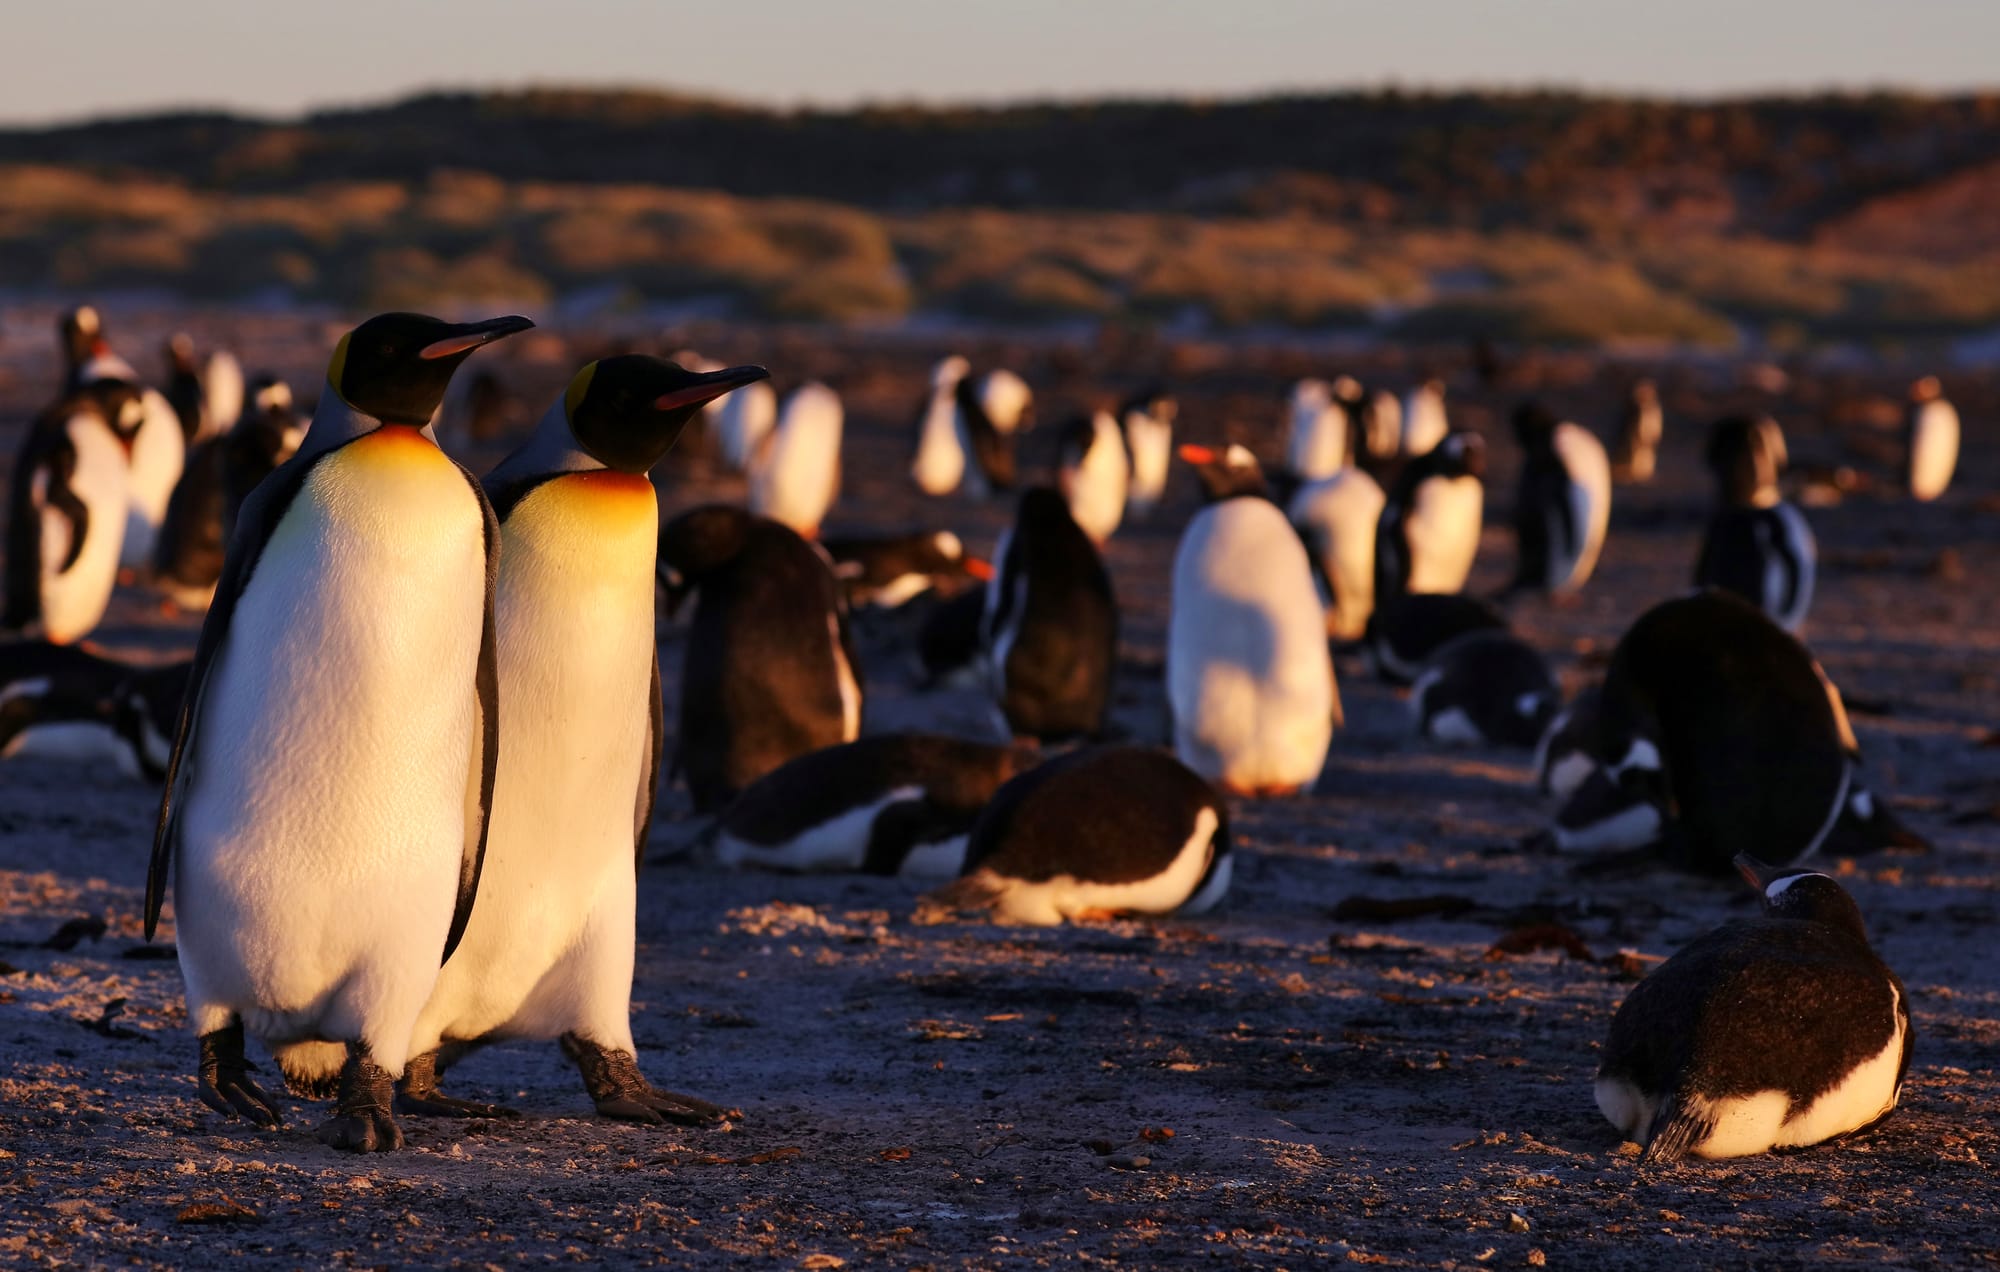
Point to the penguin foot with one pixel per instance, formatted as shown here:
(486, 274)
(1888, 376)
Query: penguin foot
(620, 1091)
(225, 1084)
(418, 1095)
(362, 1123)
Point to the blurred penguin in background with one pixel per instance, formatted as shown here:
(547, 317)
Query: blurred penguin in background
(1640, 426)
(1148, 422)
(1931, 429)
(795, 475)
(1429, 532)
(1424, 420)
(1050, 624)
(1317, 432)
(1563, 506)
(1094, 473)
(1758, 546)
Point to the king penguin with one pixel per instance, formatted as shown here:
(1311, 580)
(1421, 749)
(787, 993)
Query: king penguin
(1758, 545)
(1093, 473)
(1774, 1032)
(1249, 678)
(548, 951)
(1931, 430)
(1563, 504)
(1050, 624)
(1429, 532)
(795, 474)
(326, 805)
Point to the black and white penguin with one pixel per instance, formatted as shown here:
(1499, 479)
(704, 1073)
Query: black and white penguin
(1050, 626)
(64, 702)
(1563, 505)
(1316, 436)
(889, 571)
(321, 877)
(1714, 733)
(1425, 421)
(742, 420)
(1774, 1032)
(795, 474)
(207, 398)
(1485, 688)
(1429, 532)
(892, 804)
(960, 440)
(1336, 517)
(1093, 472)
(1147, 419)
(221, 472)
(1378, 428)
(1641, 424)
(548, 951)
(1758, 545)
(1405, 631)
(1931, 438)
(770, 671)
(67, 511)
(155, 452)
(1249, 678)
(1094, 834)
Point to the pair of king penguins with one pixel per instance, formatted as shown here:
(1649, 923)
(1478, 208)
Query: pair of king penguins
(321, 874)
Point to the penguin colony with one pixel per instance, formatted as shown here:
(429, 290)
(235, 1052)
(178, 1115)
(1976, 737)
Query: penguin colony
(406, 907)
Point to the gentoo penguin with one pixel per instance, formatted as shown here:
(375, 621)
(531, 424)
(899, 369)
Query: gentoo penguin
(321, 875)
(1758, 545)
(1336, 517)
(1316, 432)
(743, 420)
(1050, 626)
(1931, 430)
(893, 804)
(1773, 1032)
(958, 442)
(1640, 426)
(207, 399)
(67, 512)
(1405, 631)
(1381, 427)
(79, 332)
(155, 453)
(1485, 689)
(1425, 423)
(1092, 473)
(1563, 505)
(951, 644)
(183, 387)
(770, 671)
(795, 474)
(221, 472)
(1429, 532)
(548, 950)
(1249, 678)
(64, 702)
(1715, 732)
(1148, 421)
(889, 571)
(1094, 834)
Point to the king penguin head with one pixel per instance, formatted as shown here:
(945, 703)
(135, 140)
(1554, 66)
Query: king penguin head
(395, 367)
(626, 412)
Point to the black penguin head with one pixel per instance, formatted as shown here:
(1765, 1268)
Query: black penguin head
(1155, 401)
(626, 412)
(1458, 455)
(1791, 893)
(1747, 455)
(1535, 425)
(1227, 473)
(121, 403)
(395, 367)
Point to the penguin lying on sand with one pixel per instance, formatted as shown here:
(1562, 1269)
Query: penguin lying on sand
(1405, 631)
(1773, 1032)
(1093, 834)
(893, 804)
(64, 702)
(1485, 688)
(889, 571)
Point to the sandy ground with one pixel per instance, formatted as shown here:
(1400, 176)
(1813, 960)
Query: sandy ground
(1272, 1085)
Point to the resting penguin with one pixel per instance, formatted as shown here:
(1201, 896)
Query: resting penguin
(892, 804)
(63, 702)
(1317, 432)
(1093, 834)
(1429, 532)
(1405, 631)
(1563, 506)
(1148, 422)
(1092, 473)
(320, 874)
(1425, 422)
(1758, 545)
(1931, 430)
(221, 472)
(889, 571)
(1639, 429)
(1249, 678)
(795, 473)
(67, 511)
(1486, 689)
(1337, 517)
(1050, 626)
(1773, 1032)
(770, 671)
(548, 951)
(1715, 732)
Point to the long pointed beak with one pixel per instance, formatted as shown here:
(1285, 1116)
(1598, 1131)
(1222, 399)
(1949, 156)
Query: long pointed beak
(467, 336)
(709, 386)
(1758, 873)
(1194, 454)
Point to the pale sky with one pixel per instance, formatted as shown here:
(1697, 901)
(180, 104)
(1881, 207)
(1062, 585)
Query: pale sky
(67, 59)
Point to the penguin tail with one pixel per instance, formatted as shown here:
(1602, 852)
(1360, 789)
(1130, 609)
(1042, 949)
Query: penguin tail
(1678, 1128)
(312, 1069)
(977, 892)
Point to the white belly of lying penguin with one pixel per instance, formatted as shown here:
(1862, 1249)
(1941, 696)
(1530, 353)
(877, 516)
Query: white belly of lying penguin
(1051, 901)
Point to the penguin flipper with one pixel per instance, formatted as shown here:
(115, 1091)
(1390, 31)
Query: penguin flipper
(262, 509)
(656, 755)
(485, 757)
(1677, 1128)
(59, 496)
